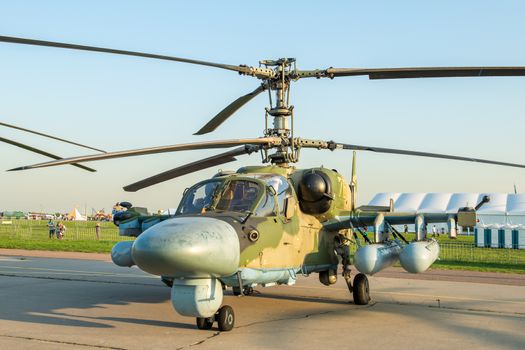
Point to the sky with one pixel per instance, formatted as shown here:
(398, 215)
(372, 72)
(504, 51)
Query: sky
(115, 102)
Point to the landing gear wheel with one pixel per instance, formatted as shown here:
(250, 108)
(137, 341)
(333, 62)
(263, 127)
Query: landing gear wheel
(237, 291)
(204, 322)
(225, 318)
(361, 290)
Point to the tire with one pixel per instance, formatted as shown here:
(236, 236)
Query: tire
(225, 318)
(237, 291)
(361, 290)
(204, 323)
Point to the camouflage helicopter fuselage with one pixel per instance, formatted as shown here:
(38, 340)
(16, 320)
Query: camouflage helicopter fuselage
(276, 243)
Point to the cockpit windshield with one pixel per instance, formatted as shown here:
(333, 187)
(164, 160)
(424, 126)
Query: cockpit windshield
(239, 196)
(199, 197)
(235, 195)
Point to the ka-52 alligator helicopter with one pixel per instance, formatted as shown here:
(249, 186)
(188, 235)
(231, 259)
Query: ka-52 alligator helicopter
(270, 223)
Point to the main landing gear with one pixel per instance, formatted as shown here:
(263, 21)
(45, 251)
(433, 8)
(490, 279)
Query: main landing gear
(360, 289)
(224, 316)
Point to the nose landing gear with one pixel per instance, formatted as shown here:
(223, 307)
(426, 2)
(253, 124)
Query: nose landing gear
(225, 318)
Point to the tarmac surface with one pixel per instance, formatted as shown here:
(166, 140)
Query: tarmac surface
(87, 302)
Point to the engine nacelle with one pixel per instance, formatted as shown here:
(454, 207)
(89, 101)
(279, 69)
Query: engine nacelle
(121, 254)
(417, 256)
(372, 258)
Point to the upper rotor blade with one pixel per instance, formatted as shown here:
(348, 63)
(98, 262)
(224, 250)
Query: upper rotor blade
(423, 154)
(44, 153)
(24, 41)
(201, 164)
(229, 110)
(414, 72)
(50, 136)
(270, 141)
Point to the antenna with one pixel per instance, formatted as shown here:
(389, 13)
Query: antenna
(353, 182)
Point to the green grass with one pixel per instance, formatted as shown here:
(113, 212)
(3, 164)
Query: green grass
(479, 266)
(58, 245)
(458, 254)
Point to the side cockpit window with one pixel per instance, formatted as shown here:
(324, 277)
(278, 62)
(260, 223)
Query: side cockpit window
(266, 206)
(282, 189)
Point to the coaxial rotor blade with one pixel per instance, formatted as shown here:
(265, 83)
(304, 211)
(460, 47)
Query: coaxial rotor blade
(413, 72)
(50, 136)
(254, 71)
(263, 141)
(335, 145)
(185, 169)
(220, 118)
(44, 153)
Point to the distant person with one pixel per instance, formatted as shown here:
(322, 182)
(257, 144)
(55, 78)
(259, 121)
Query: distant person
(406, 228)
(434, 231)
(61, 230)
(97, 230)
(51, 226)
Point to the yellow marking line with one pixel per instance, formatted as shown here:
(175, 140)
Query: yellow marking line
(433, 297)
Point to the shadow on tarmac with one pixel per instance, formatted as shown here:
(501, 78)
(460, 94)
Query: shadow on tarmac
(35, 300)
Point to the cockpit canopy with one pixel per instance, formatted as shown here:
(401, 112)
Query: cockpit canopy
(260, 194)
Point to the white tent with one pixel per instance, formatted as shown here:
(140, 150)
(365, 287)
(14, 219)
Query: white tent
(461, 200)
(383, 199)
(74, 214)
(409, 202)
(169, 211)
(434, 203)
(496, 206)
(516, 204)
(502, 208)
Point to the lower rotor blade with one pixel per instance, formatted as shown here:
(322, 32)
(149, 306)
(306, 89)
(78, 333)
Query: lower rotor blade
(50, 136)
(423, 154)
(190, 168)
(44, 153)
(229, 110)
(270, 141)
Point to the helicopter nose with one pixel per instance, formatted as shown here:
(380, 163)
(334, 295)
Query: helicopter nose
(188, 247)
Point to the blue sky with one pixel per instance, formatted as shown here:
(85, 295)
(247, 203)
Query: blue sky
(116, 102)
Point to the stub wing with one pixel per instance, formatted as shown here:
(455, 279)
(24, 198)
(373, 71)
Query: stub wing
(465, 217)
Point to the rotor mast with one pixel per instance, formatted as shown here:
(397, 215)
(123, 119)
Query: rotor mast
(280, 110)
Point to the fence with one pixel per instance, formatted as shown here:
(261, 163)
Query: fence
(468, 252)
(75, 230)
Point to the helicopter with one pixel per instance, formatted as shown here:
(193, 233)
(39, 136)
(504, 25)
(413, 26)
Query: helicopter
(267, 224)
